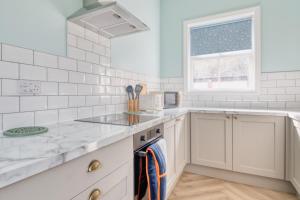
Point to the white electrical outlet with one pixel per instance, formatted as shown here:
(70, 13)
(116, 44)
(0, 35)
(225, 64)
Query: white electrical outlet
(29, 87)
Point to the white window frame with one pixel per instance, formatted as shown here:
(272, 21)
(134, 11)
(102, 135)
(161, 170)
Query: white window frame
(254, 14)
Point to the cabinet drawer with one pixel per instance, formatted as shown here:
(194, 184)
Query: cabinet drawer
(116, 186)
(68, 180)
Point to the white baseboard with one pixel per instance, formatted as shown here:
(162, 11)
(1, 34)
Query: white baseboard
(258, 181)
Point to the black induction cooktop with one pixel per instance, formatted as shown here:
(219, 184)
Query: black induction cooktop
(122, 119)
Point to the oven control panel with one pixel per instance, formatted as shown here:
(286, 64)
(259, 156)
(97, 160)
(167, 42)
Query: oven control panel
(142, 138)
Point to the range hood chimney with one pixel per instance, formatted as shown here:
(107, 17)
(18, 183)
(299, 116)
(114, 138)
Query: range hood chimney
(107, 18)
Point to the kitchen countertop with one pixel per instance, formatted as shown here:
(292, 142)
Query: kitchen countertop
(21, 158)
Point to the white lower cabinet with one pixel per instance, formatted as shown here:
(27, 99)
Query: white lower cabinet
(180, 144)
(295, 154)
(169, 135)
(116, 186)
(175, 134)
(211, 140)
(259, 145)
(109, 169)
(242, 143)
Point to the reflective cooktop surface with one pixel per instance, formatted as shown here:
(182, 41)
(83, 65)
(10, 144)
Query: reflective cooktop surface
(123, 119)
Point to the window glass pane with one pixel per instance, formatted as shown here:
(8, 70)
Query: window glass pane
(233, 71)
(222, 37)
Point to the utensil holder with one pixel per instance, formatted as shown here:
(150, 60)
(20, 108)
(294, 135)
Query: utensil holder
(133, 106)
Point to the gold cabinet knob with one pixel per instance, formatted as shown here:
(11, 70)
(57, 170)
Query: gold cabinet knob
(94, 165)
(95, 194)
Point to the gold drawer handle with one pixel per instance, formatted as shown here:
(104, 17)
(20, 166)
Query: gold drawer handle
(95, 194)
(94, 165)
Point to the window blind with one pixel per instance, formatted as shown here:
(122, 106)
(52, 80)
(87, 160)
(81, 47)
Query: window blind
(223, 37)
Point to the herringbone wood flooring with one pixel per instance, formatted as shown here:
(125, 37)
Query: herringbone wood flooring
(196, 187)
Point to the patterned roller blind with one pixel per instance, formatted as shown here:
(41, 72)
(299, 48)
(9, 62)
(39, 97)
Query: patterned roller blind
(223, 37)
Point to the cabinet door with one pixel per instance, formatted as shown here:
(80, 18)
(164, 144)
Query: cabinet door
(295, 154)
(259, 145)
(211, 140)
(180, 144)
(169, 135)
(118, 185)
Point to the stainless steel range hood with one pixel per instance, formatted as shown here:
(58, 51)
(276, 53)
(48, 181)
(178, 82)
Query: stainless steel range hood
(107, 18)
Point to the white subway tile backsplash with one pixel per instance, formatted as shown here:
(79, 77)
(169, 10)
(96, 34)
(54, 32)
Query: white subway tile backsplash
(72, 40)
(30, 72)
(67, 89)
(91, 36)
(76, 77)
(276, 76)
(9, 104)
(49, 88)
(100, 50)
(75, 29)
(286, 83)
(85, 112)
(67, 63)
(97, 69)
(9, 70)
(85, 89)
(33, 103)
(45, 60)
(293, 105)
(105, 100)
(92, 100)
(92, 79)
(268, 84)
(1, 117)
(58, 75)
(105, 61)
(55, 102)
(286, 97)
(293, 90)
(76, 101)
(46, 117)
(84, 44)
(17, 54)
(69, 114)
(10, 87)
(18, 120)
(85, 67)
(99, 110)
(293, 75)
(98, 90)
(76, 53)
(92, 58)
(62, 79)
(276, 90)
(276, 105)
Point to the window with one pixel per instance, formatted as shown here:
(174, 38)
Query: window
(222, 52)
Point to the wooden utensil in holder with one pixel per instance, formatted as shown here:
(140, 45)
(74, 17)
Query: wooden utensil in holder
(133, 106)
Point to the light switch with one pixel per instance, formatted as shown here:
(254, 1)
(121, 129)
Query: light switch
(29, 87)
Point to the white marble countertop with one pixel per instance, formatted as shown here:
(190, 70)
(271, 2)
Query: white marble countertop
(21, 158)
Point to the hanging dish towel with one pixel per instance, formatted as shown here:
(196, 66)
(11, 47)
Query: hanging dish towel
(156, 169)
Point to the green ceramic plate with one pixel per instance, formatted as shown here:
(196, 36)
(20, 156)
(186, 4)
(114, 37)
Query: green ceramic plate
(25, 131)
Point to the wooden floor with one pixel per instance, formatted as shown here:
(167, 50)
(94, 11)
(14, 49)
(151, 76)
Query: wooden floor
(196, 187)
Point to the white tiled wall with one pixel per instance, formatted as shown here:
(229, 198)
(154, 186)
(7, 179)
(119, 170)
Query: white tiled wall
(280, 90)
(80, 85)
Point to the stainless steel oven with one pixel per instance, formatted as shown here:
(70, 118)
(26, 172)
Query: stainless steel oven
(141, 141)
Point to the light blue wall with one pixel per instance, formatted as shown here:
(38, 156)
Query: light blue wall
(280, 31)
(36, 24)
(140, 52)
